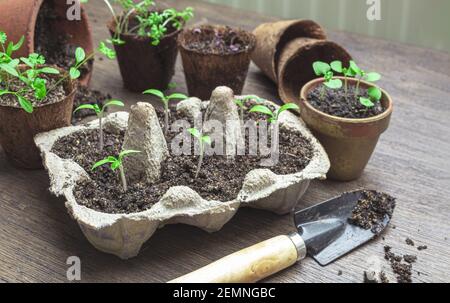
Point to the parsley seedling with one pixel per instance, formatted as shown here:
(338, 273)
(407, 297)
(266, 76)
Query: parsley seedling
(117, 163)
(100, 114)
(202, 139)
(165, 100)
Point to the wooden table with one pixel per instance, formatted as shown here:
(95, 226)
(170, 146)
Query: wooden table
(411, 162)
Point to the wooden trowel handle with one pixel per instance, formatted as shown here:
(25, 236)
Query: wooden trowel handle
(251, 264)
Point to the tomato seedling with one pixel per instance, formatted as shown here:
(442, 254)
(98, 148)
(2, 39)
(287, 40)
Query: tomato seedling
(275, 115)
(117, 163)
(202, 140)
(100, 112)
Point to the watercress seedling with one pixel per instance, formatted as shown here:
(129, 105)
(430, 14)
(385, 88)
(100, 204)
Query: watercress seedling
(275, 115)
(100, 111)
(117, 163)
(202, 140)
(165, 100)
(324, 69)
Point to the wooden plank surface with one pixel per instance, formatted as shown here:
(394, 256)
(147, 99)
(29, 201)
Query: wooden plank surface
(411, 162)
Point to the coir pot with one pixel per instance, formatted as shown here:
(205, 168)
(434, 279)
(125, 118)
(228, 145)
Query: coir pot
(18, 128)
(348, 142)
(206, 71)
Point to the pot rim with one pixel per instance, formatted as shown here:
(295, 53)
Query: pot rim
(313, 83)
(73, 86)
(249, 50)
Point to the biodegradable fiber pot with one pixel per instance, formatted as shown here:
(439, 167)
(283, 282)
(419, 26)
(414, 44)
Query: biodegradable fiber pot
(18, 128)
(286, 51)
(349, 143)
(18, 18)
(143, 65)
(205, 71)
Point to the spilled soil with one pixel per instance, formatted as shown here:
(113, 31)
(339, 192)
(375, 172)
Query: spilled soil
(220, 178)
(345, 105)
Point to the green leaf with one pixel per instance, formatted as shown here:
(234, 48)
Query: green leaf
(194, 132)
(27, 61)
(85, 106)
(113, 103)
(239, 103)
(288, 106)
(40, 89)
(321, 68)
(25, 104)
(5, 92)
(177, 96)
(49, 70)
(207, 140)
(19, 44)
(80, 55)
(334, 83)
(9, 69)
(372, 77)
(155, 92)
(105, 50)
(103, 162)
(3, 37)
(262, 109)
(336, 66)
(74, 73)
(366, 102)
(355, 68)
(374, 93)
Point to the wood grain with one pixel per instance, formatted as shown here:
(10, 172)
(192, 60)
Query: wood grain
(411, 162)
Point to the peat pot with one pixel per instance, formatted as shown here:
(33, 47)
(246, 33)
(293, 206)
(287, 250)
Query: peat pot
(349, 143)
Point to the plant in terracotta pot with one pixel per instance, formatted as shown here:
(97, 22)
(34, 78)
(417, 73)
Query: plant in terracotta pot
(144, 39)
(347, 114)
(215, 55)
(34, 97)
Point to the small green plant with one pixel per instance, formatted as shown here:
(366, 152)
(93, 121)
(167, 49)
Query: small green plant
(100, 111)
(117, 163)
(151, 23)
(32, 76)
(375, 95)
(324, 69)
(165, 100)
(202, 140)
(241, 103)
(338, 67)
(362, 75)
(275, 115)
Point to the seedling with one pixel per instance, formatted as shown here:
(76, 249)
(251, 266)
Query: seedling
(275, 115)
(202, 139)
(241, 104)
(32, 76)
(338, 67)
(324, 69)
(150, 22)
(100, 111)
(117, 163)
(362, 75)
(375, 95)
(165, 100)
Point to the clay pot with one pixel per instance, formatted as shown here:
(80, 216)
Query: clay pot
(348, 142)
(143, 65)
(205, 72)
(18, 18)
(18, 128)
(273, 37)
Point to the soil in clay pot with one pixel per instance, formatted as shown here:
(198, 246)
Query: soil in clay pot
(52, 45)
(219, 179)
(85, 95)
(345, 105)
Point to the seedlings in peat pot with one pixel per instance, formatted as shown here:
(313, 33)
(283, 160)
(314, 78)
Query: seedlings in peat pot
(100, 111)
(117, 163)
(165, 100)
(32, 76)
(324, 69)
(241, 104)
(275, 115)
(202, 139)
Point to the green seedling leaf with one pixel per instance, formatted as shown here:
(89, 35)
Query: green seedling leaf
(355, 68)
(93, 107)
(336, 66)
(74, 73)
(103, 162)
(375, 93)
(263, 110)
(239, 102)
(3, 37)
(321, 68)
(155, 92)
(80, 55)
(288, 106)
(40, 89)
(207, 140)
(333, 83)
(25, 104)
(366, 102)
(113, 103)
(372, 77)
(194, 132)
(177, 96)
(105, 50)
(9, 69)
(49, 70)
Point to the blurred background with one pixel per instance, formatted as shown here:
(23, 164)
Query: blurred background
(420, 22)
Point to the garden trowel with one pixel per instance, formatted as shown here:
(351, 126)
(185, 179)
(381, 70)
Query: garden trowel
(323, 233)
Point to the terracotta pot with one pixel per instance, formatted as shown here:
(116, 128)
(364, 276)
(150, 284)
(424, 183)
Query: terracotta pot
(143, 65)
(205, 72)
(348, 142)
(18, 128)
(272, 38)
(296, 61)
(18, 18)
